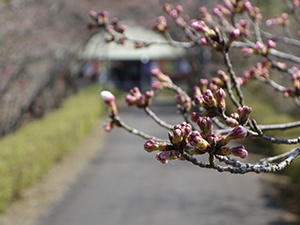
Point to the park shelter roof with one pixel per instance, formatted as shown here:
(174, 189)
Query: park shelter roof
(97, 48)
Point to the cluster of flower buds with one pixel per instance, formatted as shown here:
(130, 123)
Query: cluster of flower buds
(212, 102)
(175, 13)
(193, 142)
(240, 117)
(258, 49)
(101, 19)
(163, 80)
(279, 20)
(261, 69)
(135, 97)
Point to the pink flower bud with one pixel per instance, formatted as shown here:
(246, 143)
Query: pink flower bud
(151, 145)
(194, 116)
(239, 132)
(208, 98)
(234, 34)
(108, 97)
(239, 151)
(163, 157)
(195, 139)
(205, 124)
(199, 26)
(246, 52)
(108, 126)
(244, 113)
(271, 44)
(220, 97)
(167, 7)
(231, 122)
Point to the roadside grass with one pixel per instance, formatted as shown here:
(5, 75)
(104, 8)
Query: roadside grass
(29, 153)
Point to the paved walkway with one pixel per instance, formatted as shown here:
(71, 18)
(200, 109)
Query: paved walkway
(124, 185)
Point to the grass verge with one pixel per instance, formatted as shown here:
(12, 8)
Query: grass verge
(28, 154)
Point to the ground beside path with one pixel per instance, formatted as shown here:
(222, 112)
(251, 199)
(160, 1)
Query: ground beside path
(120, 184)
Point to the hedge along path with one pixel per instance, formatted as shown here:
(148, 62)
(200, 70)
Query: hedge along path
(29, 153)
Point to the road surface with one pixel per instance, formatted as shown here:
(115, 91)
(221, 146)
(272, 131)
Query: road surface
(124, 185)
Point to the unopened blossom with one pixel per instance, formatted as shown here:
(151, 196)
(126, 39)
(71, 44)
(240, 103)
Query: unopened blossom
(184, 100)
(163, 157)
(246, 52)
(108, 97)
(234, 34)
(109, 100)
(271, 44)
(259, 48)
(244, 113)
(239, 151)
(156, 72)
(209, 98)
(195, 139)
(200, 26)
(157, 85)
(161, 25)
(205, 124)
(220, 97)
(194, 116)
(231, 122)
(239, 132)
(167, 7)
(151, 145)
(108, 126)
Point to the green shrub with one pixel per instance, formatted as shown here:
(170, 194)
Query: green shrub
(27, 154)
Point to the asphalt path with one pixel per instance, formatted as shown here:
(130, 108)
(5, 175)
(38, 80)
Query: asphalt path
(124, 185)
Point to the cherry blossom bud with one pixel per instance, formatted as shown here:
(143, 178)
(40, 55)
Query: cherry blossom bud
(244, 113)
(160, 76)
(246, 52)
(194, 116)
(239, 151)
(239, 132)
(247, 6)
(195, 139)
(271, 44)
(259, 48)
(234, 34)
(205, 124)
(151, 145)
(200, 26)
(161, 25)
(231, 122)
(213, 139)
(208, 98)
(167, 7)
(220, 97)
(157, 85)
(148, 97)
(108, 126)
(93, 14)
(163, 157)
(179, 8)
(108, 97)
